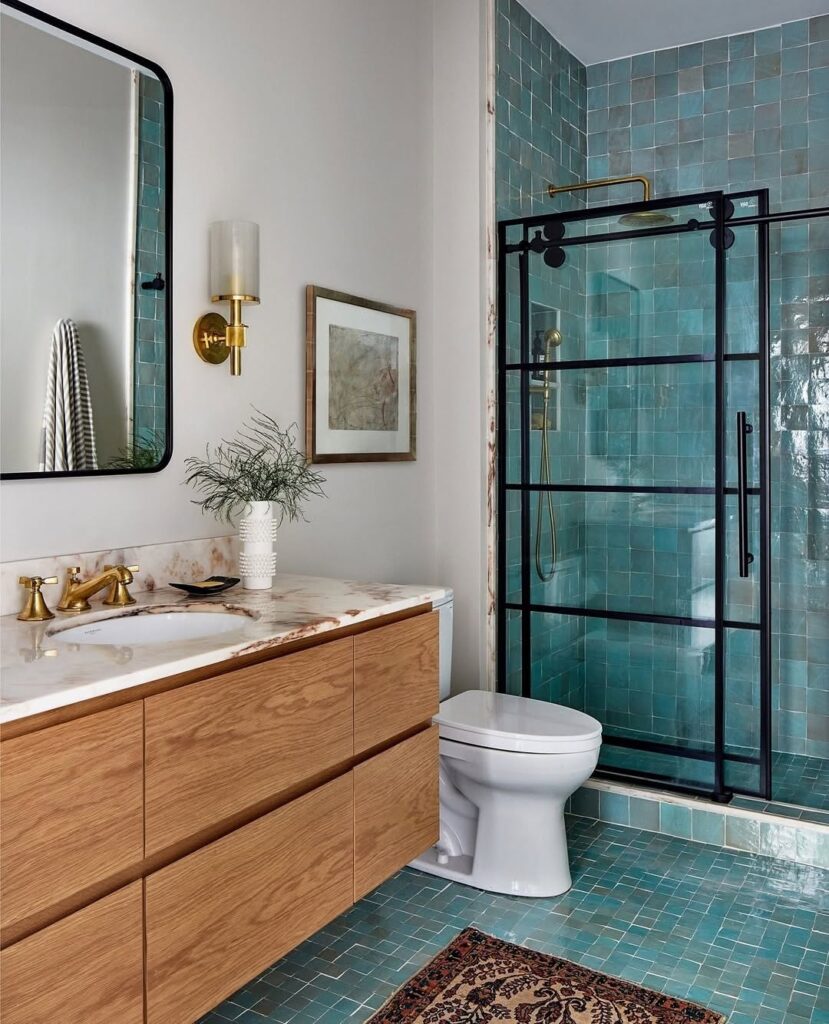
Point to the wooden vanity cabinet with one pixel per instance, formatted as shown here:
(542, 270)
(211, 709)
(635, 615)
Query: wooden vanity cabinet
(396, 811)
(71, 809)
(157, 855)
(219, 746)
(217, 918)
(395, 679)
(88, 968)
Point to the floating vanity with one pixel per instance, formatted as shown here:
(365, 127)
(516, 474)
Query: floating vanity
(180, 813)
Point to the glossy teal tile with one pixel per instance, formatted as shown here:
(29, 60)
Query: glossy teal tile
(708, 827)
(585, 803)
(742, 834)
(614, 807)
(644, 814)
(675, 820)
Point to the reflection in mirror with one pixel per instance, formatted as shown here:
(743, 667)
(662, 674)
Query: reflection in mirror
(84, 193)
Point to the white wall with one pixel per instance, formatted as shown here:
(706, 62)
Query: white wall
(460, 337)
(350, 130)
(66, 200)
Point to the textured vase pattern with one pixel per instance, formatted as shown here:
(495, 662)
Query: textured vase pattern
(257, 558)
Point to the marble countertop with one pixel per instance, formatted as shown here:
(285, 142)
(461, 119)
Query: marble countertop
(39, 672)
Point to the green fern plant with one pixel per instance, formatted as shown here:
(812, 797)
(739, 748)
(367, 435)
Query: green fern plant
(262, 463)
(143, 452)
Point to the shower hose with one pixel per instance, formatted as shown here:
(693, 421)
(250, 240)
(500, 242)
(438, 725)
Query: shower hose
(545, 501)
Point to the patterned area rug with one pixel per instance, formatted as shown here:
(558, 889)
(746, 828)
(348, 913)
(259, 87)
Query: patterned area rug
(479, 979)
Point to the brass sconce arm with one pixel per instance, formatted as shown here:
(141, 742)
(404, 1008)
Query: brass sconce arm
(215, 338)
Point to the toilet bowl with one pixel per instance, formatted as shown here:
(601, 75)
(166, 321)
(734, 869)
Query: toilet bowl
(507, 767)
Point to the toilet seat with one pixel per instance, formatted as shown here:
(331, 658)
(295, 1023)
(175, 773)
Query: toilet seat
(502, 721)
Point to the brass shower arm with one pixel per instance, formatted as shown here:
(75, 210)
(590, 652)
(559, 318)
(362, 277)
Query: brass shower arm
(553, 190)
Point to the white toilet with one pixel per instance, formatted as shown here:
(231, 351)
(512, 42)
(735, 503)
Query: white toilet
(507, 766)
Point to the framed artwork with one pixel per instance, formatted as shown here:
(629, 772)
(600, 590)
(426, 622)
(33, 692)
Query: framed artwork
(360, 379)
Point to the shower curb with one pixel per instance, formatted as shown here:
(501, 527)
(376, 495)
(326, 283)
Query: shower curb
(764, 831)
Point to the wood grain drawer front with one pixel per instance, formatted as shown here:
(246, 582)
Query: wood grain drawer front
(218, 917)
(71, 800)
(86, 969)
(396, 809)
(220, 746)
(395, 679)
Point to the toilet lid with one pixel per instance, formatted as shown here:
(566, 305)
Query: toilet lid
(506, 722)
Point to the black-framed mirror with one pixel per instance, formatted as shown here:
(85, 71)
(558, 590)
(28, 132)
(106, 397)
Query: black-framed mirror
(86, 136)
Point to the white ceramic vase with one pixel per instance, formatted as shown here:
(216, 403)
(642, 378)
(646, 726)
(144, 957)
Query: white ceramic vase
(257, 558)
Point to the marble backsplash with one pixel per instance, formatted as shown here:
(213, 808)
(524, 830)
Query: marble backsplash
(159, 564)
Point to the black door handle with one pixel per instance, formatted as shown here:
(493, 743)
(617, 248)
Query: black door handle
(743, 430)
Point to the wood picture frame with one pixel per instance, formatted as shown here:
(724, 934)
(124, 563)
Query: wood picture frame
(360, 379)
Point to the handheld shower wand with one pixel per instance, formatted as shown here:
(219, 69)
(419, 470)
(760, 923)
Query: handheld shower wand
(543, 346)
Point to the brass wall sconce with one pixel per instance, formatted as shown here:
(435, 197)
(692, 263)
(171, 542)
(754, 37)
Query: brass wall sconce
(234, 278)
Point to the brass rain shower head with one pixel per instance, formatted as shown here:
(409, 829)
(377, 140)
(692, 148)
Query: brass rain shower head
(646, 219)
(639, 218)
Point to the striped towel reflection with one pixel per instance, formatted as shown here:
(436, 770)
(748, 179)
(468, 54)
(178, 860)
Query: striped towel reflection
(67, 440)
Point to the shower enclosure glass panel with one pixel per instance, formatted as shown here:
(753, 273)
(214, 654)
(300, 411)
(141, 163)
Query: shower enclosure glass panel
(669, 440)
(641, 553)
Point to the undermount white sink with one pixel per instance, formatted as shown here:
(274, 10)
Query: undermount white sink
(152, 627)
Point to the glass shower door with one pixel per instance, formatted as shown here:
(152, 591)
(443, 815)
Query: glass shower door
(614, 513)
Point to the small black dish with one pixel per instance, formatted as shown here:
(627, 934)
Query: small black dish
(212, 585)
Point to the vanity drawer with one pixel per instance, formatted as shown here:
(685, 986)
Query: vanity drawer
(221, 915)
(86, 969)
(217, 747)
(71, 803)
(396, 809)
(395, 679)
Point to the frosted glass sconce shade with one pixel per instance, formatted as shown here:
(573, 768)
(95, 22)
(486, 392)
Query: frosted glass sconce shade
(234, 278)
(234, 260)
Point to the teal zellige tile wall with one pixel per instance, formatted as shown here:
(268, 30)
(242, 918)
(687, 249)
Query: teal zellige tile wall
(150, 363)
(541, 121)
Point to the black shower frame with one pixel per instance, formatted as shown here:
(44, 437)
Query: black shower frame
(721, 208)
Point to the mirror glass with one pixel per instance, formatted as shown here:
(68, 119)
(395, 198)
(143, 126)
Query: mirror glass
(85, 138)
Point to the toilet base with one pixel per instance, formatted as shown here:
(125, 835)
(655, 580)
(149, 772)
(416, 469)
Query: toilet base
(462, 869)
(502, 818)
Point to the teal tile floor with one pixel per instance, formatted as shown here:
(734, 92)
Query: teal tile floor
(745, 935)
(797, 779)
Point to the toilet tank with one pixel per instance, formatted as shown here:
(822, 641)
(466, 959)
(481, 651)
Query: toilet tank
(444, 607)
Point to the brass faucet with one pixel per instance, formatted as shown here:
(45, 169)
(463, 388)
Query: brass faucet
(76, 592)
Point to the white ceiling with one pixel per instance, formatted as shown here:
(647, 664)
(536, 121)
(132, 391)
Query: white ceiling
(599, 30)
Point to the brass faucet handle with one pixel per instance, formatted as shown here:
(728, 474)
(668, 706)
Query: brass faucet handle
(71, 577)
(35, 609)
(118, 594)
